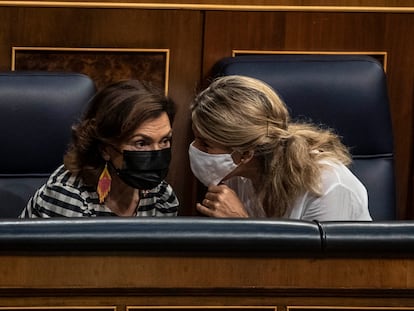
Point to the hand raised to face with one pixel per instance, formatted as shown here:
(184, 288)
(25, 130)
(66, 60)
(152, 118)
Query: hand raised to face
(222, 202)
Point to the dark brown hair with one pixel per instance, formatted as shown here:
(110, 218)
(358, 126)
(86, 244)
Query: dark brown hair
(111, 118)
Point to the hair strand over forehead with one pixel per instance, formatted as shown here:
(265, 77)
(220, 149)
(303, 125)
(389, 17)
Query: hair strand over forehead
(112, 116)
(236, 111)
(246, 114)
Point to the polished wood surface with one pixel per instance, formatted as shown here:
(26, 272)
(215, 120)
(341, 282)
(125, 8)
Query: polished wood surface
(196, 281)
(199, 35)
(242, 5)
(187, 271)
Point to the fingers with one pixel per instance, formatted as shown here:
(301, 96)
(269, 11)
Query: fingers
(210, 204)
(218, 188)
(210, 196)
(208, 207)
(222, 196)
(213, 192)
(204, 210)
(220, 201)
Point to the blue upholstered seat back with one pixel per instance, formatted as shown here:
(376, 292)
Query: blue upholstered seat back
(344, 92)
(37, 110)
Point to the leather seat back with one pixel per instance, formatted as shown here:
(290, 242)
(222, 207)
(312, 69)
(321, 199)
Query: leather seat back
(344, 92)
(37, 110)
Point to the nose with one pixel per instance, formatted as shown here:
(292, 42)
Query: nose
(155, 147)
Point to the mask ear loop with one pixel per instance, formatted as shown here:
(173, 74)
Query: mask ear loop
(245, 156)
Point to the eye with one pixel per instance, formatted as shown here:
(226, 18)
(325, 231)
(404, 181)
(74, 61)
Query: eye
(140, 144)
(165, 142)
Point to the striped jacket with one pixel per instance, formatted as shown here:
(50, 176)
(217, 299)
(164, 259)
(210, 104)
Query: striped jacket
(65, 195)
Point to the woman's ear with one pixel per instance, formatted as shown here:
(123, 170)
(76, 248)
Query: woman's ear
(243, 158)
(105, 154)
(247, 156)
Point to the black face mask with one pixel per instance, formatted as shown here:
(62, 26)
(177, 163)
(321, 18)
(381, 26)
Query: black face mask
(144, 170)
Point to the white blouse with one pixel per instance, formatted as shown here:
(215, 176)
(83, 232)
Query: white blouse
(343, 197)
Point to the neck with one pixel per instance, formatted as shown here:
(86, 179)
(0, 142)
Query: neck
(251, 170)
(122, 200)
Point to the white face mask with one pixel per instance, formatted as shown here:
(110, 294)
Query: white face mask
(210, 168)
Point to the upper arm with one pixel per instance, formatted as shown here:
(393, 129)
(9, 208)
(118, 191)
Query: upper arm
(167, 202)
(56, 200)
(339, 203)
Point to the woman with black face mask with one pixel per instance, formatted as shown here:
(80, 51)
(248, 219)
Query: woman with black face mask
(117, 160)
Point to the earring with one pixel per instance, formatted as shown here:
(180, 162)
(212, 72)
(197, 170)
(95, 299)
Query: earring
(104, 184)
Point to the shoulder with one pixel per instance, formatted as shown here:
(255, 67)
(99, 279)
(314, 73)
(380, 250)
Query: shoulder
(343, 196)
(64, 194)
(163, 191)
(161, 200)
(65, 183)
(336, 175)
(62, 176)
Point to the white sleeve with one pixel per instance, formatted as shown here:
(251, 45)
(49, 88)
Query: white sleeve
(245, 191)
(339, 203)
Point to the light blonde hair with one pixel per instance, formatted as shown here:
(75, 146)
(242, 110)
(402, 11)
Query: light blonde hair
(247, 114)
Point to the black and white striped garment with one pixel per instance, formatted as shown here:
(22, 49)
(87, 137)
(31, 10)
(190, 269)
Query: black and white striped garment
(65, 195)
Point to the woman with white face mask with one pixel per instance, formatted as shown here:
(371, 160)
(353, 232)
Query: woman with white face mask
(257, 163)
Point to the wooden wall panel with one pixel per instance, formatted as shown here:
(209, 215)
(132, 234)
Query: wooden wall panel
(187, 281)
(271, 5)
(200, 33)
(401, 86)
(332, 32)
(178, 31)
(103, 66)
(188, 270)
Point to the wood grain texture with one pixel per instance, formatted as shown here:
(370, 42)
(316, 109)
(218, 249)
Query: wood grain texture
(203, 271)
(188, 281)
(199, 38)
(102, 66)
(243, 5)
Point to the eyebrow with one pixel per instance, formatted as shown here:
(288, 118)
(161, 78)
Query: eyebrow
(146, 137)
